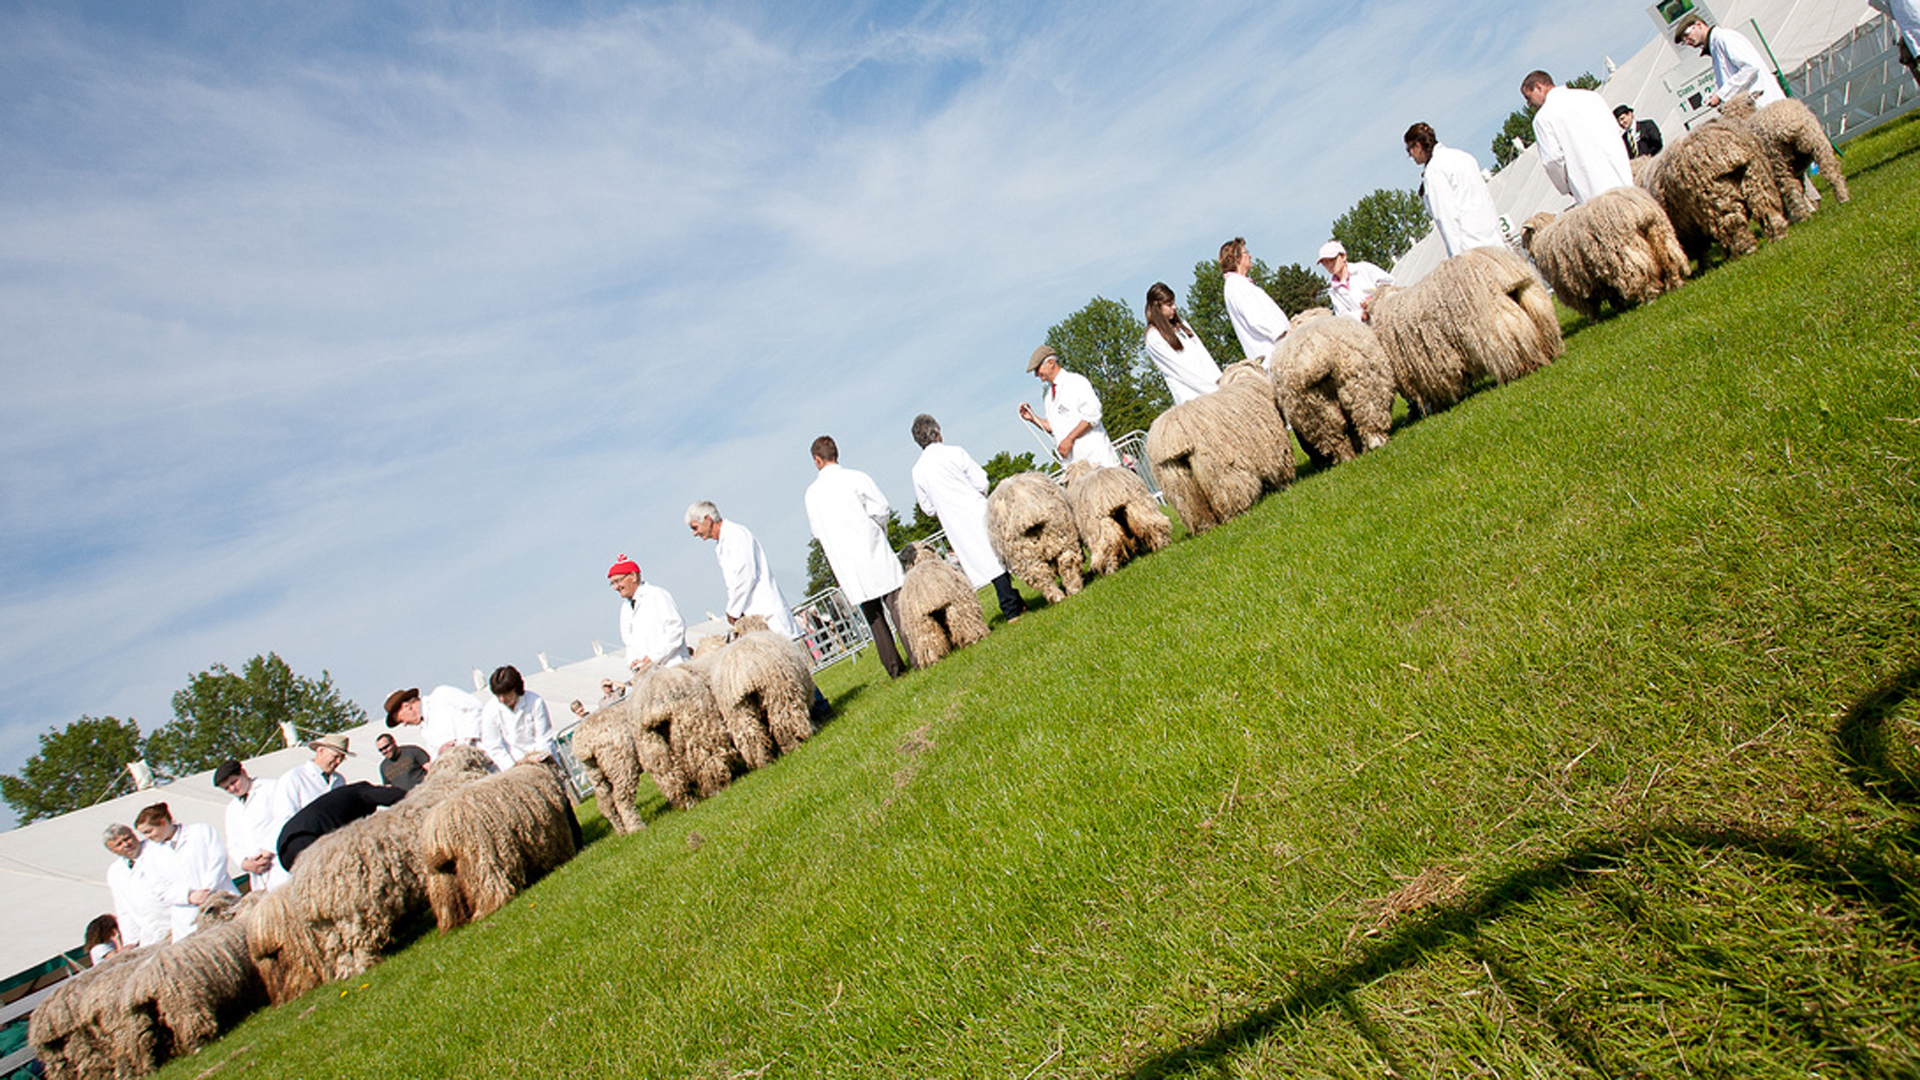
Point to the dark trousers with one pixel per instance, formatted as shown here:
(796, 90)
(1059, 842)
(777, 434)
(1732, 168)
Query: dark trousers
(876, 610)
(1010, 603)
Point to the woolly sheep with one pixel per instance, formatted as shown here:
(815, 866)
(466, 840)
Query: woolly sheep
(1483, 312)
(1715, 183)
(352, 889)
(188, 992)
(939, 610)
(1215, 456)
(1334, 385)
(1617, 248)
(492, 838)
(681, 710)
(1793, 139)
(1116, 516)
(74, 1031)
(1031, 526)
(605, 745)
(764, 688)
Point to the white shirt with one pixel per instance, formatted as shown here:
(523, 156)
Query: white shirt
(291, 792)
(1906, 18)
(1459, 201)
(1738, 68)
(1348, 296)
(1067, 401)
(1189, 370)
(247, 821)
(138, 905)
(651, 628)
(1257, 321)
(448, 714)
(200, 863)
(511, 734)
(951, 486)
(848, 515)
(1580, 144)
(751, 589)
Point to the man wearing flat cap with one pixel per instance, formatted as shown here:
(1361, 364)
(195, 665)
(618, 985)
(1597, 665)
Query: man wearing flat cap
(248, 816)
(1738, 67)
(650, 624)
(1070, 412)
(448, 716)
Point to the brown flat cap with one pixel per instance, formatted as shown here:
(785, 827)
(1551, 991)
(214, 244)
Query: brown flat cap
(1040, 356)
(397, 699)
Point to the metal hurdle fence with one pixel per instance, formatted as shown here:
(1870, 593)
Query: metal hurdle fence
(1858, 83)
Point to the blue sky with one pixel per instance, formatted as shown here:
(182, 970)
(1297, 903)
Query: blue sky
(370, 335)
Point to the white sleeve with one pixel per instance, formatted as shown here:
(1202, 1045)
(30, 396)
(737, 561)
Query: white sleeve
(1553, 156)
(736, 569)
(495, 719)
(976, 475)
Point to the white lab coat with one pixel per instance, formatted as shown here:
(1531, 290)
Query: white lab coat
(751, 589)
(138, 904)
(291, 792)
(1739, 68)
(951, 486)
(1580, 144)
(1189, 370)
(651, 627)
(1067, 401)
(511, 734)
(848, 515)
(200, 862)
(1457, 197)
(247, 822)
(1347, 297)
(1257, 321)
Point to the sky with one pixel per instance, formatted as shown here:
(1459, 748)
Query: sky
(370, 334)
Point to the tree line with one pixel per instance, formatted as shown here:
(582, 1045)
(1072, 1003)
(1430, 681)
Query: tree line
(221, 714)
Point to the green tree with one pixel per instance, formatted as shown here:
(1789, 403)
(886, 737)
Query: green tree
(225, 714)
(1382, 226)
(1105, 342)
(1002, 465)
(1294, 287)
(1519, 124)
(819, 572)
(76, 766)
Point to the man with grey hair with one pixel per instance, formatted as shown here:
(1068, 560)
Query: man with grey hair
(751, 589)
(951, 486)
(139, 899)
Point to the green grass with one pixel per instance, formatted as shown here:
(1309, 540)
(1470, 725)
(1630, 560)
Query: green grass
(1571, 734)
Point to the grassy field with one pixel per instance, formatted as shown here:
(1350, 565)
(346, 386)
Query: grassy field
(1571, 734)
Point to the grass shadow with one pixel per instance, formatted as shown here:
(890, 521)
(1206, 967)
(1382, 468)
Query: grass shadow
(1861, 740)
(1866, 877)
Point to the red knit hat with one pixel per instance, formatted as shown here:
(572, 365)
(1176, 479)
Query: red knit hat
(623, 565)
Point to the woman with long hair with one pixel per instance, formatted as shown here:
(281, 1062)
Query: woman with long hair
(1176, 350)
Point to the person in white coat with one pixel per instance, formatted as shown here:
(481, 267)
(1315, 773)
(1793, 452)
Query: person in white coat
(650, 623)
(1176, 350)
(515, 723)
(446, 716)
(848, 515)
(1738, 67)
(1350, 285)
(751, 589)
(296, 789)
(248, 816)
(1906, 24)
(951, 486)
(138, 903)
(1578, 137)
(1070, 412)
(1455, 193)
(199, 871)
(1257, 320)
